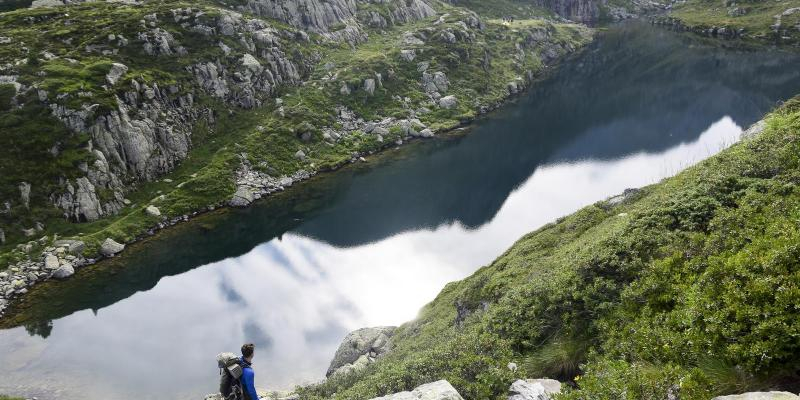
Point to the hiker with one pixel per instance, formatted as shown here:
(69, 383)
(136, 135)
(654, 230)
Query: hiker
(248, 376)
(237, 380)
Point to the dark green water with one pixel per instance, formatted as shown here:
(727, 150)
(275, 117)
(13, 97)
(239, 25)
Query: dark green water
(371, 244)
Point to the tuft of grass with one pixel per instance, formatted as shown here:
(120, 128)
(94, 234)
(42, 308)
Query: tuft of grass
(560, 359)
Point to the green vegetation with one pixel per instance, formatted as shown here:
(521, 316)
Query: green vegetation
(65, 56)
(756, 18)
(688, 287)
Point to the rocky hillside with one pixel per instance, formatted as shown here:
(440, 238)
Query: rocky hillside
(764, 21)
(684, 289)
(120, 118)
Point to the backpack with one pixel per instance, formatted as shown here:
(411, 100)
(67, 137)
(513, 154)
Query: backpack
(230, 372)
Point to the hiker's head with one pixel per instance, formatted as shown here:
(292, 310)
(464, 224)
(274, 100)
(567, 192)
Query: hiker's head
(247, 351)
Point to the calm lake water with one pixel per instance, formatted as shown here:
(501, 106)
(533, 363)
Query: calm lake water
(371, 244)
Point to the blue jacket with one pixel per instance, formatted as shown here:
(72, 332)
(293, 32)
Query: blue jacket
(248, 380)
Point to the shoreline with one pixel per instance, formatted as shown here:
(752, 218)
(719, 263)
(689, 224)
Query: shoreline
(9, 302)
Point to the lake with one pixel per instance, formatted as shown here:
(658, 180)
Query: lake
(372, 243)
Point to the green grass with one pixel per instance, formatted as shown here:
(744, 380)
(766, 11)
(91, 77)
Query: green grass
(756, 21)
(691, 288)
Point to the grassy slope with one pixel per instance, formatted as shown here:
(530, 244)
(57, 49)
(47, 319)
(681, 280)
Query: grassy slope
(691, 287)
(207, 175)
(756, 22)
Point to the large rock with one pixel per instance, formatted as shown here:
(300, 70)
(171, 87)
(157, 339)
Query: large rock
(243, 197)
(448, 102)
(152, 211)
(25, 194)
(64, 271)
(116, 73)
(71, 246)
(369, 86)
(110, 247)
(364, 344)
(314, 15)
(439, 390)
(754, 129)
(251, 63)
(51, 262)
(534, 389)
(80, 201)
(760, 396)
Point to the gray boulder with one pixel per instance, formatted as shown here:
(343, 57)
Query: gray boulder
(408, 55)
(25, 193)
(251, 63)
(110, 247)
(51, 262)
(243, 197)
(534, 389)
(626, 195)
(439, 390)
(64, 271)
(152, 211)
(369, 86)
(71, 246)
(117, 71)
(2, 236)
(760, 396)
(369, 343)
(448, 102)
(754, 129)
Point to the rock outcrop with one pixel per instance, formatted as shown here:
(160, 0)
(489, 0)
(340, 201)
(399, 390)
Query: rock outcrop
(314, 15)
(534, 389)
(110, 247)
(361, 347)
(760, 396)
(439, 390)
(325, 16)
